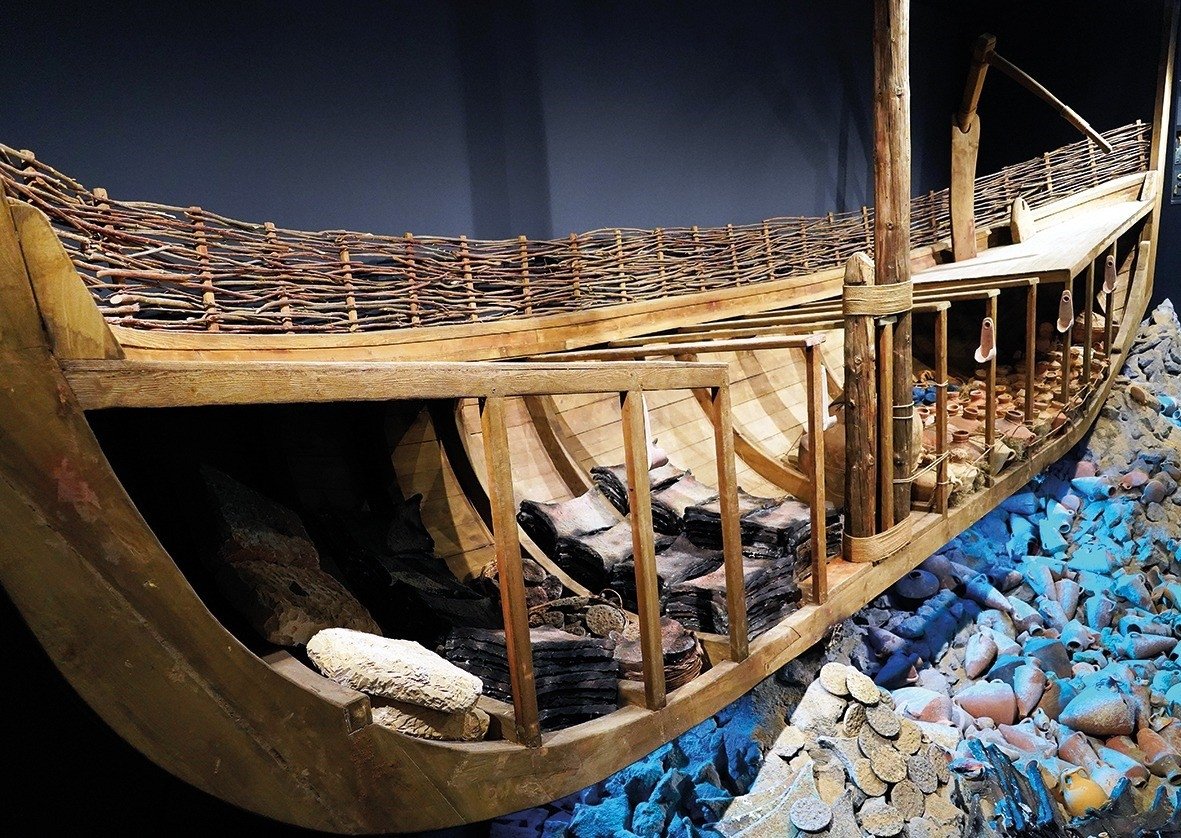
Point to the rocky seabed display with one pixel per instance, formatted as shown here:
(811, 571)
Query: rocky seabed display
(1025, 680)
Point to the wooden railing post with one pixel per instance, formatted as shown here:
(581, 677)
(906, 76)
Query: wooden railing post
(886, 512)
(891, 240)
(518, 645)
(861, 410)
(639, 496)
(1088, 325)
(1030, 349)
(465, 261)
(990, 306)
(817, 413)
(731, 527)
(1109, 274)
(1065, 302)
(942, 486)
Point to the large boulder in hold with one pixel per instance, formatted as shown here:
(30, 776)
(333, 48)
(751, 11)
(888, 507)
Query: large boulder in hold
(253, 528)
(401, 670)
(288, 605)
(467, 726)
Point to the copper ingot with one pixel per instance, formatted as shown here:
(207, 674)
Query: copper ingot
(986, 351)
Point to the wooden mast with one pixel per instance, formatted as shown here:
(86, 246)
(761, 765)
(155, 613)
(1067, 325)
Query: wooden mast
(891, 118)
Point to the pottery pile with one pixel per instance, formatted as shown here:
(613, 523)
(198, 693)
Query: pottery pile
(848, 765)
(1071, 668)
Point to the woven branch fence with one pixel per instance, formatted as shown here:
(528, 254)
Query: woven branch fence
(151, 266)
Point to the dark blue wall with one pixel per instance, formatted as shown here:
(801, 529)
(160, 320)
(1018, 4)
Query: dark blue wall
(494, 119)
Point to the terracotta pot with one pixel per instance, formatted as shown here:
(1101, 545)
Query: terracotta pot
(1099, 710)
(1080, 793)
(1156, 750)
(1029, 683)
(989, 699)
(979, 654)
(1068, 592)
(1075, 746)
(953, 409)
(1015, 416)
(1128, 767)
(960, 435)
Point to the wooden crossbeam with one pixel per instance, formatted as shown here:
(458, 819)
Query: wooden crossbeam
(102, 384)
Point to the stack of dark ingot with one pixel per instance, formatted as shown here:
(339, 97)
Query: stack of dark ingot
(269, 571)
(577, 678)
(591, 539)
(771, 528)
(681, 650)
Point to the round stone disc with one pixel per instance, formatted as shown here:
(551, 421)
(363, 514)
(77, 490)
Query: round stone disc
(889, 765)
(879, 818)
(854, 718)
(862, 687)
(939, 758)
(910, 737)
(810, 814)
(833, 678)
(884, 720)
(921, 771)
(908, 800)
(864, 777)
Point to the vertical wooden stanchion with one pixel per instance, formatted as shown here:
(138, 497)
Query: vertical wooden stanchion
(1088, 326)
(990, 390)
(469, 285)
(733, 254)
(1066, 359)
(518, 645)
(892, 218)
(1030, 348)
(639, 496)
(273, 261)
(886, 512)
(731, 527)
(411, 273)
(817, 412)
(350, 299)
(207, 297)
(1109, 274)
(942, 486)
(861, 410)
(526, 290)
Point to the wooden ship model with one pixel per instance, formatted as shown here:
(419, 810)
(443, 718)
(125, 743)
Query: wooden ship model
(508, 371)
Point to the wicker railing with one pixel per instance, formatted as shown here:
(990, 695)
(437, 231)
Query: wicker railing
(151, 266)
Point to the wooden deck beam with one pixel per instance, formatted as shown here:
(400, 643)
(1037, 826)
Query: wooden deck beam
(102, 384)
